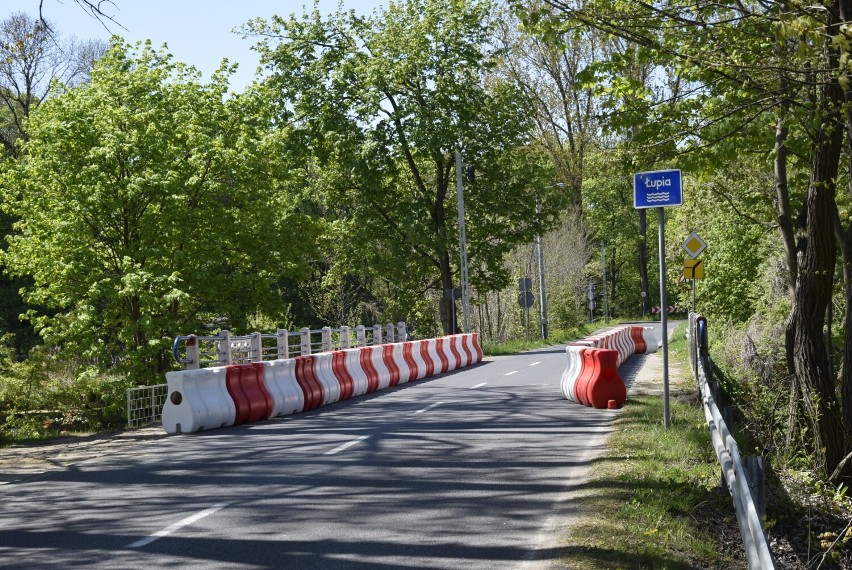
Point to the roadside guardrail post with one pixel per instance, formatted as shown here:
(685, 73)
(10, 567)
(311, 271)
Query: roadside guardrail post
(344, 337)
(326, 339)
(305, 340)
(223, 348)
(757, 482)
(377, 335)
(389, 332)
(256, 350)
(193, 354)
(360, 335)
(401, 331)
(283, 343)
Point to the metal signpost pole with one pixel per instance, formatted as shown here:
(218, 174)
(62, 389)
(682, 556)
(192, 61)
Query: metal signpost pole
(664, 315)
(660, 189)
(694, 283)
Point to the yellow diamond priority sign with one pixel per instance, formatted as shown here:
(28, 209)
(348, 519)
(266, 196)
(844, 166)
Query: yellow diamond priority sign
(693, 245)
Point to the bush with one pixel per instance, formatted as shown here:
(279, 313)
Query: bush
(44, 397)
(750, 365)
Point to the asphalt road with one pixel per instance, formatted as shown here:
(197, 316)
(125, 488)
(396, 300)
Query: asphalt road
(471, 469)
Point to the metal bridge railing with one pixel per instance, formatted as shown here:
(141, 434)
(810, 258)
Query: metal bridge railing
(745, 485)
(223, 349)
(145, 403)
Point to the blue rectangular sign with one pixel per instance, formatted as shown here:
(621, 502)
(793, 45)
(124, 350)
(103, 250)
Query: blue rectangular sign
(657, 189)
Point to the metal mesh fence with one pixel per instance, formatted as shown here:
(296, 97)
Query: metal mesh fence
(145, 405)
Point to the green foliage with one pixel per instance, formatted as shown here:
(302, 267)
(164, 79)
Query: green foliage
(145, 201)
(380, 105)
(45, 396)
(738, 261)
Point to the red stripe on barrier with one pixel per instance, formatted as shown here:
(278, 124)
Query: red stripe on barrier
(392, 366)
(476, 346)
(439, 348)
(338, 366)
(638, 339)
(235, 390)
(467, 352)
(427, 358)
(370, 370)
(409, 359)
(454, 348)
(251, 398)
(309, 383)
(587, 373)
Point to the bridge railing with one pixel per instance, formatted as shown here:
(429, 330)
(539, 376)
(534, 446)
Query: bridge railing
(195, 351)
(745, 485)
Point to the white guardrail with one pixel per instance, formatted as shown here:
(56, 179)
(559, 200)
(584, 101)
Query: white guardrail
(734, 472)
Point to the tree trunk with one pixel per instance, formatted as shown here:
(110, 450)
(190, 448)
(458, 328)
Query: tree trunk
(785, 217)
(813, 291)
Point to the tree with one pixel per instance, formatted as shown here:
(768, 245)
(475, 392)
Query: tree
(733, 68)
(383, 103)
(146, 205)
(31, 59)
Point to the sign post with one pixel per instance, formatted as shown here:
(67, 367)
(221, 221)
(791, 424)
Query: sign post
(693, 268)
(660, 189)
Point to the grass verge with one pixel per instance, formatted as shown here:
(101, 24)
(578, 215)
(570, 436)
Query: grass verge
(654, 499)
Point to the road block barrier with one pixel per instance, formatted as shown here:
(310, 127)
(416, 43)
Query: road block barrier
(287, 395)
(197, 400)
(591, 374)
(252, 400)
(210, 398)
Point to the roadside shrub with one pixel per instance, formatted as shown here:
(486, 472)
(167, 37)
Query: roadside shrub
(750, 363)
(45, 396)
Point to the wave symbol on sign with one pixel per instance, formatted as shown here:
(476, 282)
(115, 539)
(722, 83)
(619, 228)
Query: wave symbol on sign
(657, 197)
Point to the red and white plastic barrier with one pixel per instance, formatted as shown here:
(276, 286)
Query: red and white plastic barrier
(591, 376)
(211, 398)
(198, 399)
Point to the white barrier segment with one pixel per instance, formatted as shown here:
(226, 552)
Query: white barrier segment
(325, 374)
(652, 341)
(572, 371)
(418, 358)
(379, 365)
(432, 351)
(353, 366)
(623, 350)
(628, 337)
(197, 400)
(464, 360)
(280, 379)
(399, 360)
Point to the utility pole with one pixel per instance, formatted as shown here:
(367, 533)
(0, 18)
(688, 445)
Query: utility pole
(463, 246)
(541, 293)
(603, 269)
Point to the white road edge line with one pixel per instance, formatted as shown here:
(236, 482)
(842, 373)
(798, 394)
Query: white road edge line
(429, 407)
(510, 373)
(177, 526)
(346, 445)
(478, 386)
(536, 363)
